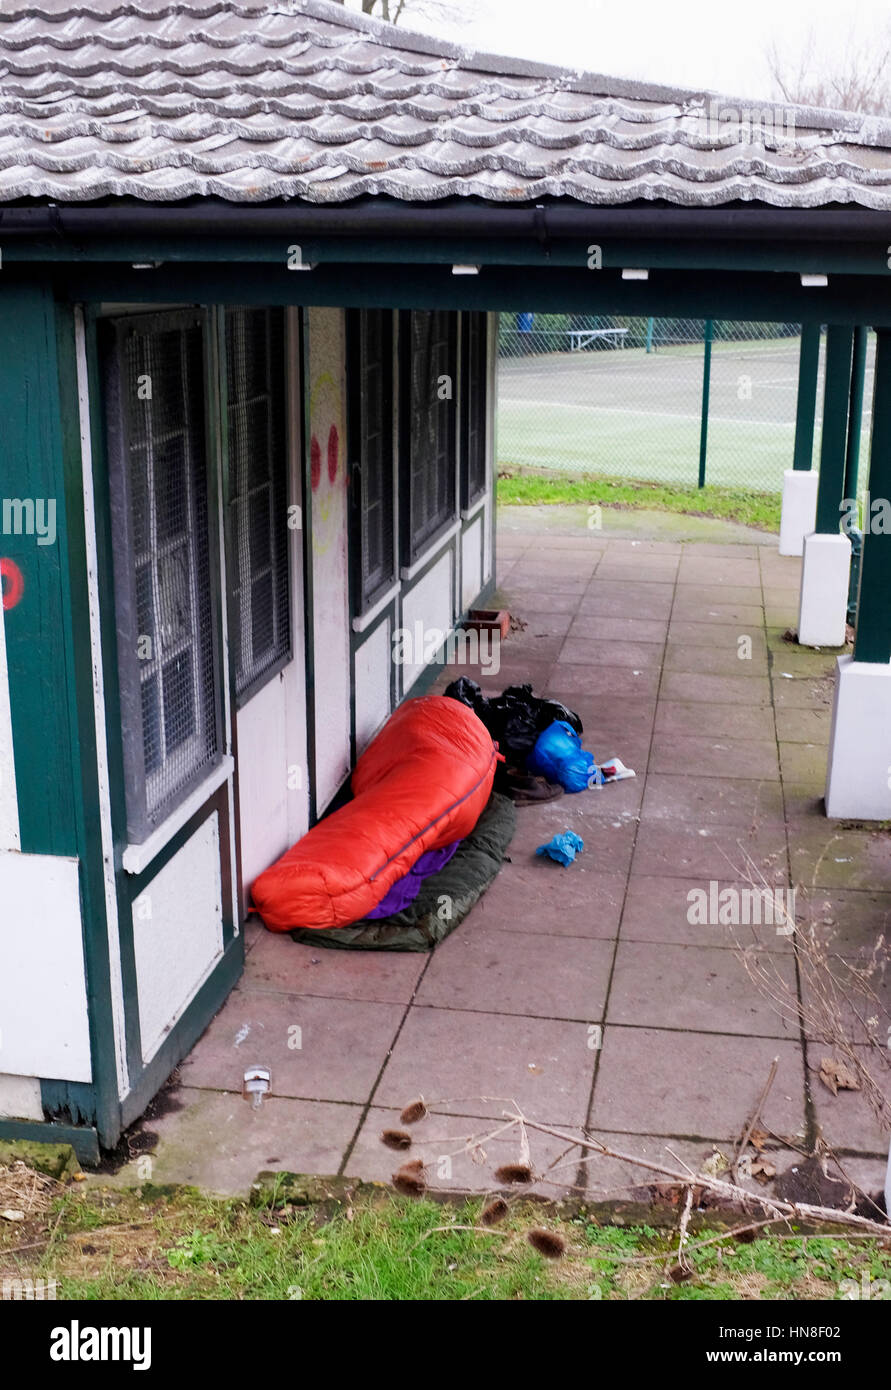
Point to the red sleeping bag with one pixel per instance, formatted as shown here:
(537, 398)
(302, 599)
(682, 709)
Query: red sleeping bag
(422, 783)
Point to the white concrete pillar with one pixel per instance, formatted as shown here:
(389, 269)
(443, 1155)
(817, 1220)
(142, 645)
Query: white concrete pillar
(823, 606)
(859, 770)
(799, 514)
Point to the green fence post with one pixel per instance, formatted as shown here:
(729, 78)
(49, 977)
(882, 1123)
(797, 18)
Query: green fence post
(852, 461)
(855, 412)
(650, 335)
(836, 392)
(706, 382)
(873, 637)
(806, 410)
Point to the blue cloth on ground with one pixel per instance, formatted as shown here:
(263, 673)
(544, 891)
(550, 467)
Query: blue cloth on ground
(563, 848)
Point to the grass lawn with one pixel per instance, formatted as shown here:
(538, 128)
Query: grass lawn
(153, 1243)
(759, 509)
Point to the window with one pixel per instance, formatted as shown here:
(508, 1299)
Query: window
(474, 390)
(371, 426)
(159, 491)
(431, 426)
(257, 496)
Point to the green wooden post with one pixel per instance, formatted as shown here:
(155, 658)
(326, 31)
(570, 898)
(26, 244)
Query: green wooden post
(706, 383)
(873, 638)
(806, 410)
(852, 462)
(855, 412)
(839, 348)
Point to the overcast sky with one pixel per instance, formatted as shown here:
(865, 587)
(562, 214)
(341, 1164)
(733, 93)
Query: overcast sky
(718, 44)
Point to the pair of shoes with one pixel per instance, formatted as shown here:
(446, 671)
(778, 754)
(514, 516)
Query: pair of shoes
(526, 790)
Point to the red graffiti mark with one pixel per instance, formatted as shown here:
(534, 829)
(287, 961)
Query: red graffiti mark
(333, 451)
(12, 583)
(315, 463)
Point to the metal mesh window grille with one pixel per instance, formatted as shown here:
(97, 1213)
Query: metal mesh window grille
(474, 391)
(375, 371)
(431, 429)
(257, 502)
(157, 456)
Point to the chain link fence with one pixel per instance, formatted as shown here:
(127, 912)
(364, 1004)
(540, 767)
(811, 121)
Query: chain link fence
(677, 401)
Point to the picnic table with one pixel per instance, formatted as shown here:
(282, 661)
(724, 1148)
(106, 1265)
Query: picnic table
(582, 337)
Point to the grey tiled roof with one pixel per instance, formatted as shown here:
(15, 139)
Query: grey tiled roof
(252, 100)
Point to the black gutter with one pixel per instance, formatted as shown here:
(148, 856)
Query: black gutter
(545, 221)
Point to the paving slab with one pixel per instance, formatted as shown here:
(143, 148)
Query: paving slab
(216, 1139)
(693, 988)
(711, 800)
(594, 626)
(715, 756)
(697, 717)
(847, 1121)
(725, 636)
(605, 682)
(524, 898)
(316, 1049)
(733, 657)
(477, 1063)
(687, 850)
(716, 690)
(460, 1156)
(593, 650)
(283, 966)
(824, 854)
(663, 910)
(493, 970)
(695, 1084)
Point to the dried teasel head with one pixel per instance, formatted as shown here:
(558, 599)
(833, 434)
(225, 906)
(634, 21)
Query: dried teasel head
(396, 1138)
(547, 1243)
(414, 1111)
(514, 1173)
(410, 1179)
(494, 1211)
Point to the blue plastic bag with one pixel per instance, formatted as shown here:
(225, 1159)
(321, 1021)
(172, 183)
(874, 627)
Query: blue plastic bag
(559, 756)
(563, 848)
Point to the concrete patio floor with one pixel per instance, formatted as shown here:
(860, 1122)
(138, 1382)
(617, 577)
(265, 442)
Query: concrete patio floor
(638, 628)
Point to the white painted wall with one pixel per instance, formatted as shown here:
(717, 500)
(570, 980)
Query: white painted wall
(430, 604)
(472, 561)
(9, 808)
(273, 781)
(373, 667)
(20, 1098)
(331, 618)
(177, 934)
(43, 992)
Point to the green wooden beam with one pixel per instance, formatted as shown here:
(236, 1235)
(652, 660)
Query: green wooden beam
(767, 296)
(866, 258)
(872, 641)
(805, 414)
(836, 391)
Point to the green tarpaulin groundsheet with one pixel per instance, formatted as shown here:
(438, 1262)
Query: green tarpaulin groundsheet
(445, 898)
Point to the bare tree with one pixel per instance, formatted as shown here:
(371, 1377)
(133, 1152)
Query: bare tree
(854, 79)
(392, 11)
